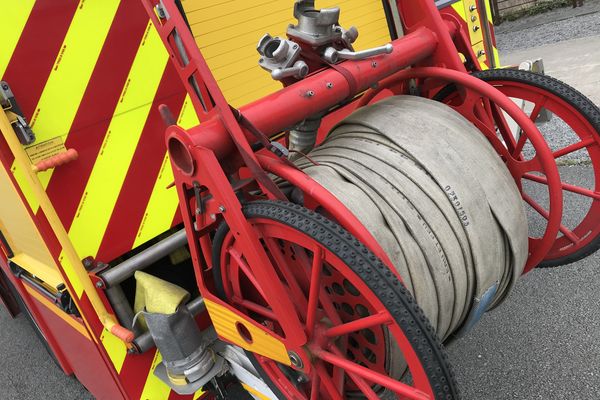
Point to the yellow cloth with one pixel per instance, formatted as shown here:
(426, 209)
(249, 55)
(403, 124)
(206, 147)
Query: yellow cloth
(155, 295)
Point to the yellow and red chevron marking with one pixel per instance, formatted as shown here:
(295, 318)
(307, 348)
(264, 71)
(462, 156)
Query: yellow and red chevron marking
(469, 14)
(92, 73)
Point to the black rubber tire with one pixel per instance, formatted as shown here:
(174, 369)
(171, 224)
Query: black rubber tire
(395, 297)
(565, 92)
(27, 313)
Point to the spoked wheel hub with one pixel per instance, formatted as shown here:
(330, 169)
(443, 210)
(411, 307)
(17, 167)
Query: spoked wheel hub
(366, 337)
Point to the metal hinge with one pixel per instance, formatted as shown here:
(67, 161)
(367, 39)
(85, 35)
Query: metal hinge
(61, 298)
(16, 117)
(4, 244)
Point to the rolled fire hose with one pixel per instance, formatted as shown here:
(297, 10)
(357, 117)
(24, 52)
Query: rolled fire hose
(437, 198)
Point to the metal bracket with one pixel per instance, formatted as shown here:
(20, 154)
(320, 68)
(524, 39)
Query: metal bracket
(18, 122)
(4, 244)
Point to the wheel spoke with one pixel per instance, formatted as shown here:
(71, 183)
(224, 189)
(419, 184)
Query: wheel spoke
(314, 291)
(574, 147)
(397, 387)
(520, 144)
(537, 109)
(327, 382)
(361, 384)
(565, 186)
(569, 234)
(544, 213)
(246, 269)
(489, 117)
(359, 324)
(504, 128)
(537, 207)
(257, 308)
(283, 264)
(315, 385)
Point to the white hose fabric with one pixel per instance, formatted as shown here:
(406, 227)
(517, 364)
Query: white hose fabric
(437, 198)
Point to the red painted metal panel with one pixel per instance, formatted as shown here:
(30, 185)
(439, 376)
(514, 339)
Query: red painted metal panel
(82, 355)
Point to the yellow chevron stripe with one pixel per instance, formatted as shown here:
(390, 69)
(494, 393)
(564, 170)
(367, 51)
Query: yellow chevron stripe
(14, 17)
(163, 202)
(25, 187)
(488, 8)
(154, 388)
(115, 348)
(71, 274)
(460, 9)
(119, 145)
(70, 75)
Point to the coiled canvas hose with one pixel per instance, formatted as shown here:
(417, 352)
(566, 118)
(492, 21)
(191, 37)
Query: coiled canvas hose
(438, 199)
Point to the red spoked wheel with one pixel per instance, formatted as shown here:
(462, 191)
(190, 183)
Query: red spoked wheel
(366, 336)
(574, 138)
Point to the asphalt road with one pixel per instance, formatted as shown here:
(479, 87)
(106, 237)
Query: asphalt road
(542, 343)
(26, 370)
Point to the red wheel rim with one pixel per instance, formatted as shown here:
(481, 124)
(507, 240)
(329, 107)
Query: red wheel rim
(572, 240)
(489, 118)
(346, 323)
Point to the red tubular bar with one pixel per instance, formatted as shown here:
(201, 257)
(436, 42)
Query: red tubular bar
(316, 93)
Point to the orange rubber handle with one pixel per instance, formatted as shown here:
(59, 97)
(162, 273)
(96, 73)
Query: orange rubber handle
(57, 160)
(122, 333)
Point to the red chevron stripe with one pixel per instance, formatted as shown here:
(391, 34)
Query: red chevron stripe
(37, 49)
(143, 172)
(98, 104)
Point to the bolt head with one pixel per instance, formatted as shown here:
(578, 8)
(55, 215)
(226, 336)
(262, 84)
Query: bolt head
(296, 360)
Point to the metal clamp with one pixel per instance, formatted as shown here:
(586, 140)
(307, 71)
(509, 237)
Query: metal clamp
(332, 56)
(279, 56)
(299, 70)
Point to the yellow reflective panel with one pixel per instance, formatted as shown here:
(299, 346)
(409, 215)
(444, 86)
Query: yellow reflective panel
(118, 147)
(14, 17)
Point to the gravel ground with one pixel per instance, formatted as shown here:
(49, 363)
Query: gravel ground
(555, 26)
(543, 29)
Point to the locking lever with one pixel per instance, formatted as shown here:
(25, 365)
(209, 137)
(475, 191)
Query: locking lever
(332, 55)
(16, 117)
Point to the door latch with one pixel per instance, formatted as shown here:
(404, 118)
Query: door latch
(15, 115)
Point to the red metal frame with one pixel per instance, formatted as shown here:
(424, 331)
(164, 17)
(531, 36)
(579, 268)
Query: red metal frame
(210, 155)
(222, 146)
